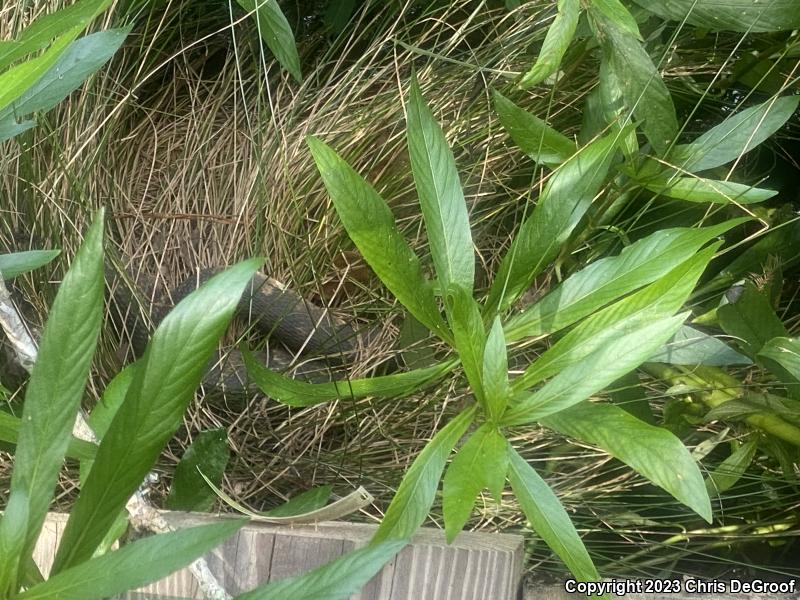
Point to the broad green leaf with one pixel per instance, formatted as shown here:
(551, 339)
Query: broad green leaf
(600, 368)
(562, 204)
(652, 451)
(754, 403)
(662, 298)
(644, 91)
(13, 533)
(733, 15)
(413, 499)
(164, 383)
(19, 78)
(533, 136)
(781, 355)
(750, 318)
(469, 334)
(608, 279)
(209, 453)
(495, 372)
(735, 136)
(697, 189)
(548, 517)
(80, 60)
(46, 28)
(56, 387)
(302, 393)
(306, 502)
(133, 565)
(730, 470)
(18, 263)
(371, 226)
(559, 35)
(274, 29)
(440, 195)
(616, 12)
(113, 396)
(76, 449)
(337, 580)
(628, 393)
(9, 128)
(338, 14)
(480, 463)
(691, 346)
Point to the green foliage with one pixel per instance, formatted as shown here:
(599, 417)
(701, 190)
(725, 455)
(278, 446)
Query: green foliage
(209, 454)
(274, 29)
(734, 15)
(17, 263)
(559, 35)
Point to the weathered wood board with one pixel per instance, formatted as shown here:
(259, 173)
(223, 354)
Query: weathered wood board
(476, 566)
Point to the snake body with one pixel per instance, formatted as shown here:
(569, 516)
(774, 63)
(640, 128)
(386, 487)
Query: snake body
(278, 313)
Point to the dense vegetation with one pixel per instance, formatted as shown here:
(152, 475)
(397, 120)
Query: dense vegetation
(568, 232)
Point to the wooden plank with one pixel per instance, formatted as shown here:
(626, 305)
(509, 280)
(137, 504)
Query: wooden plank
(476, 566)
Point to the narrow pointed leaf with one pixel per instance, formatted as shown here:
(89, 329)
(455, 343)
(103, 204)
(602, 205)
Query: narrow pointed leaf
(440, 196)
(735, 136)
(17, 263)
(371, 226)
(469, 334)
(691, 346)
(302, 393)
(480, 463)
(163, 384)
(730, 470)
(57, 383)
(697, 189)
(410, 505)
(548, 517)
(652, 451)
(786, 352)
(556, 41)
(610, 278)
(276, 33)
(495, 372)
(76, 449)
(134, 565)
(562, 204)
(616, 12)
(533, 136)
(660, 299)
(589, 376)
(337, 580)
(733, 15)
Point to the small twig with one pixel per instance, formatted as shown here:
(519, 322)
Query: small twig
(142, 515)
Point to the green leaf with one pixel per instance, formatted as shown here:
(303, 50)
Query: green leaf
(79, 61)
(644, 91)
(730, 470)
(697, 189)
(309, 501)
(371, 226)
(782, 356)
(76, 449)
(46, 28)
(620, 16)
(302, 394)
(18, 263)
(337, 580)
(413, 499)
(56, 387)
(495, 372)
(548, 517)
(733, 15)
(133, 565)
(481, 463)
(274, 29)
(750, 318)
(662, 298)
(113, 396)
(735, 136)
(559, 35)
(562, 204)
(440, 196)
(608, 279)
(338, 14)
(690, 346)
(208, 453)
(13, 534)
(600, 368)
(652, 451)
(469, 334)
(9, 128)
(533, 136)
(163, 384)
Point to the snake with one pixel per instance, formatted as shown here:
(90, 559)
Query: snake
(294, 326)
